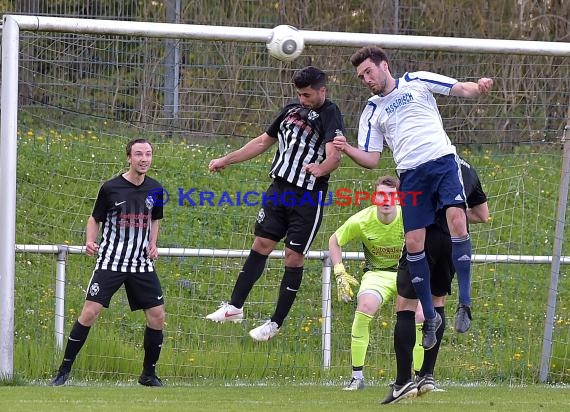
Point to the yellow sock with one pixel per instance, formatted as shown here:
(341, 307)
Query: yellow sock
(418, 349)
(360, 337)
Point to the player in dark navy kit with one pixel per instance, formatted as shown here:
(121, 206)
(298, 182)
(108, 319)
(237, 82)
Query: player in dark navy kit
(304, 132)
(128, 208)
(438, 252)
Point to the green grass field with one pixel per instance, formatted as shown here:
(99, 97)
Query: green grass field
(288, 397)
(59, 172)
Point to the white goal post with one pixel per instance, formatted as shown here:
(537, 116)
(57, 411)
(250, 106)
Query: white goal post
(13, 24)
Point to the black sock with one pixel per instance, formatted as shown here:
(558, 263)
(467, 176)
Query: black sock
(250, 273)
(404, 341)
(152, 345)
(430, 356)
(75, 341)
(290, 284)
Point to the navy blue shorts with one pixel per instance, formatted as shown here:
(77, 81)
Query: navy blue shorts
(437, 184)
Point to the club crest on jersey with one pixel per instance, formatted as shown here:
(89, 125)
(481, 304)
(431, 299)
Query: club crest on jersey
(260, 215)
(312, 115)
(94, 289)
(148, 203)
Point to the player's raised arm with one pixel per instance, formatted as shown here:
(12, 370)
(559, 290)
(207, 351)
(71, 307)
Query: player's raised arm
(250, 150)
(472, 89)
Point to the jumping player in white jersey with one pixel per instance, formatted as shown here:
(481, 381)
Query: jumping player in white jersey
(404, 114)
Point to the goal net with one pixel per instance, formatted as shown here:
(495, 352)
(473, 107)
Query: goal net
(83, 95)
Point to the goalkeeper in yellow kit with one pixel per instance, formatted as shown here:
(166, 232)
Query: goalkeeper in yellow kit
(381, 231)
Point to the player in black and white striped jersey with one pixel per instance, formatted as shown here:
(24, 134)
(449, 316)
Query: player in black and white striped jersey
(304, 132)
(128, 209)
(123, 209)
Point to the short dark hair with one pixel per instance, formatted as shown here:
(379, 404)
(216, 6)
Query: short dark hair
(374, 53)
(135, 141)
(389, 181)
(310, 76)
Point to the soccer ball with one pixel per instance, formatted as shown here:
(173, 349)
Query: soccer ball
(286, 43)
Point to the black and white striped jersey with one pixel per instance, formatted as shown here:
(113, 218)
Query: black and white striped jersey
(302, 135)
(126, 212)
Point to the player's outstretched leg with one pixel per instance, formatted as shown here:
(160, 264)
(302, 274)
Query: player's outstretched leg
(75, 341)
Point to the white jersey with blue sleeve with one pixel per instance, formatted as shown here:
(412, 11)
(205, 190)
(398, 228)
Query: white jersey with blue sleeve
(408, 120)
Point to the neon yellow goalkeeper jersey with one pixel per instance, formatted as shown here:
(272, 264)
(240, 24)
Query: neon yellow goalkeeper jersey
(382, 243)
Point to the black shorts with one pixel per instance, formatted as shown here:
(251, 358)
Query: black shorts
(438, 252)
(291, 212)
(143, 289)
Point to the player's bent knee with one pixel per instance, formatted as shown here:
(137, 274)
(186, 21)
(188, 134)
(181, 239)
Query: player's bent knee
(293, 258)
(156, 317)
(405, 304)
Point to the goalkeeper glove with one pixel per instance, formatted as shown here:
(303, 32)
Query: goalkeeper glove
(344, 282)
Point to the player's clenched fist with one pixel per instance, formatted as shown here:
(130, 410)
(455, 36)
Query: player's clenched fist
(91, 248)
(340, 143)
(484, 84)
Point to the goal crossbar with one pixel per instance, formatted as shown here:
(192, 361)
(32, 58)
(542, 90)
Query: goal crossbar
(249, 34)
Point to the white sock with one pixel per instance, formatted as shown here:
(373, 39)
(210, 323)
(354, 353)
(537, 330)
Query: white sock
(357, 374)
